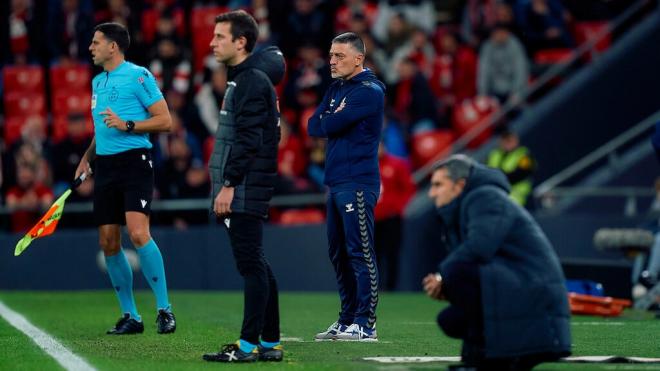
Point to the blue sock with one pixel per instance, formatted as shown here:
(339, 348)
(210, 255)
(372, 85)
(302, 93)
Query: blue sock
(154, 271)
(267, 344)
(121, 277)
(246, 346)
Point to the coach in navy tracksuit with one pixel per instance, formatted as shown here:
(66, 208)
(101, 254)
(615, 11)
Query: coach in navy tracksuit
(351, 116)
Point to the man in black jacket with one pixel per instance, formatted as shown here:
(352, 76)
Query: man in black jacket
(243, 168)
(502, 278)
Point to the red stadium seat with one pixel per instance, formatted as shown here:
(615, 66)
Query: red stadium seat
(23, 79)
(24, 104)
(150, 21)
(70, 78)
(14, 125)
(71, 102)
(430, 145)
(202, 23)
(61, 130)
(470, 113)
(301, 216)
(552, 56)
(587, 31)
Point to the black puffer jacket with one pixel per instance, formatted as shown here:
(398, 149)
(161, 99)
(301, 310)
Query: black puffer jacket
(245, 150)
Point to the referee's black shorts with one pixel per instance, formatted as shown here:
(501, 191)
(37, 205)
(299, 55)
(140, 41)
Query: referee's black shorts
(122, 182)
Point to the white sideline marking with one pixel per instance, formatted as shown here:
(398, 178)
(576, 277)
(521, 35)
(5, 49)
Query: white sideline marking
(588, 359)
(293, 340)
(49, 344)
(598, 323)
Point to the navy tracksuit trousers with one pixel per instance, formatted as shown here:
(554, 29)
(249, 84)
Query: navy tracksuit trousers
(350, 225)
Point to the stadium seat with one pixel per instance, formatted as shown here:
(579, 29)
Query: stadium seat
(430, 146)
(150, 21)
(61, 130)
(18, 104)
(12, 129)
(587, 31)
(552, 56)
(202, 23)
(301, 216)
(71, 102)
(70, 78)
(23, 79)
(472, 112)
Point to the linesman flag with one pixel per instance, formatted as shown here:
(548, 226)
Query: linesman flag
(48, 222)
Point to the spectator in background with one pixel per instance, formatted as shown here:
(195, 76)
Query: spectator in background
(24, 32)
(68, 152)
(397, 34)
(418, 49)
(346, 14)
(397, 187)
(503, 69)
(454, 76)
(69, 27)
(291, 163)
(307, 24)
(502, 278)
(33, 147)
(316, 166)
(170, 66)
(182, 177)
(543, 23)
(309, 73)
(417, 13)
(413, 100)
(479, 18)
(208, 99)
(516, 162)
(29, 198)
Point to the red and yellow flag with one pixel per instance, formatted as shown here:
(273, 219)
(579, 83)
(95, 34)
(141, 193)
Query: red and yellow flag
(45, 226)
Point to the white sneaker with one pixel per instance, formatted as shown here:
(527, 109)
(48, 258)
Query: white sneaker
(331, 332)
(356, 332)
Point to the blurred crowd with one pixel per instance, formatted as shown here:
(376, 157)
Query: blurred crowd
(447, 64)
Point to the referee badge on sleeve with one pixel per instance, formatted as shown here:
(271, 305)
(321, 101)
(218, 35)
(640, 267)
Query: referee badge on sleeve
(93, 101)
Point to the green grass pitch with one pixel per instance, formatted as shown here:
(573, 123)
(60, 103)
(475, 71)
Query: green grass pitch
(206, 320)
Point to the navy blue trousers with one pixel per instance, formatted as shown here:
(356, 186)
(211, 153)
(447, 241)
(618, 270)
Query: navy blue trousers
(350, 220)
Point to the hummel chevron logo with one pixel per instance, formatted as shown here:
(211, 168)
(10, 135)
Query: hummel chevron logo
(349, 208)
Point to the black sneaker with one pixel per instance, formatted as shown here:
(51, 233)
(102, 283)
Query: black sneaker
(126, 326)
(166, 322)
(274, 354)
(232, 353)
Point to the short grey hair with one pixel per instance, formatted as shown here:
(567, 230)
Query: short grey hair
(458, 166)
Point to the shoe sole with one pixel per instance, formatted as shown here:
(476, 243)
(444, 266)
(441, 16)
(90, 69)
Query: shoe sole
(166, 332)
(360, 340)
(333, 339)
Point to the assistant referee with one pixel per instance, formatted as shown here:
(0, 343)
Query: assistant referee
(126, 106)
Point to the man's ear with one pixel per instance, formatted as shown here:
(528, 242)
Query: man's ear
(242, 41)
(461, 184)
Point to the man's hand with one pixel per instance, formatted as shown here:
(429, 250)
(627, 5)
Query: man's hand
(111, 120)
(433, 286)
(83, 167)
(222, 202)
(341, 105)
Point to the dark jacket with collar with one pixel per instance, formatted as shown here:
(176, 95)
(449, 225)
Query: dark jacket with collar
(525, 304)
(353, 133)
(245, 150)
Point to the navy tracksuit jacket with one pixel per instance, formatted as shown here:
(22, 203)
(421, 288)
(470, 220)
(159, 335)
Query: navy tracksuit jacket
(351, 173)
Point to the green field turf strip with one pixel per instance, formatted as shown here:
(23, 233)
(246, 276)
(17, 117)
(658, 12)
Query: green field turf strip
(207, 319)
(18, 352)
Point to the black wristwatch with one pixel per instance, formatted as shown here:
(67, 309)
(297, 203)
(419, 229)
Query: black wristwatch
(130, 126)
(226, 183)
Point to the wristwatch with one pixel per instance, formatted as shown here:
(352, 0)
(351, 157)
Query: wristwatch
(130, 126)
(226, 183)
